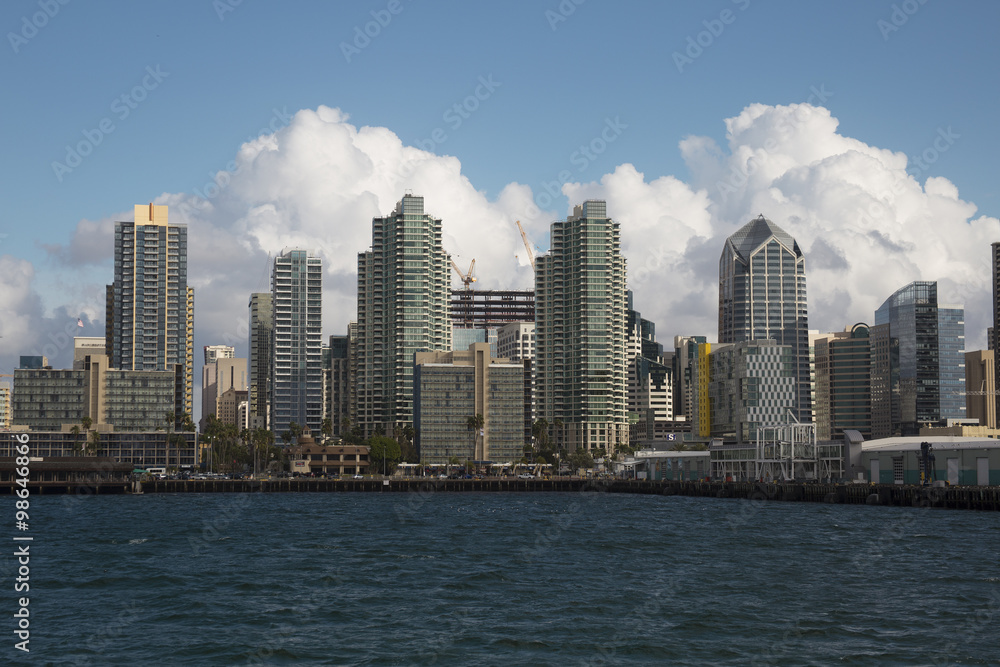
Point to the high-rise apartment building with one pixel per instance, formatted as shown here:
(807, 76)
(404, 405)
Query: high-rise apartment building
(683, 363)
(580, 323)
(296, 370)
(762, 296)
(404, 290)
(919, 357)
(650, 382)
(980, 392)
(352, 373)
(516, 341)
(216, 352)
(150, 307)
(261, 358)
(843, 383)
(994, 331)
(338, 388)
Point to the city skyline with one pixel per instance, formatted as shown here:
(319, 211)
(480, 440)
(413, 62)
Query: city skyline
(866, 200)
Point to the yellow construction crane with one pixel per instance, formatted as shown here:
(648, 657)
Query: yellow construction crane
(527, 245)
(467, 278)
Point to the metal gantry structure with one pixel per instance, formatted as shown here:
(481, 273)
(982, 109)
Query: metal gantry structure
(779, 453)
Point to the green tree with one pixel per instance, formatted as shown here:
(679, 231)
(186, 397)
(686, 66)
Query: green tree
(354, 436)
(540, 430)
(581, 458)
(408, 453)
(383, 454)
(679, 447)
(327, 427)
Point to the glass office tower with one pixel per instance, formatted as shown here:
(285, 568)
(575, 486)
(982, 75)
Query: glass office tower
(927, 380)
(762, 296)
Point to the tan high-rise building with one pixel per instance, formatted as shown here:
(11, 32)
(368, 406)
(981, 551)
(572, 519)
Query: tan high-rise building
(980, 387)
(150, 307)
(451, 387)
(217, 378)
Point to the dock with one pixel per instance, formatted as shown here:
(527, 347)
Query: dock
(985, 498)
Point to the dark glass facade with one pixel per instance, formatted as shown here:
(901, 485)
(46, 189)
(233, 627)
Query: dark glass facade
(927, 383)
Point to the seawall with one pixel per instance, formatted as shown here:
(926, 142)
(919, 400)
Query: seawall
(956, 497)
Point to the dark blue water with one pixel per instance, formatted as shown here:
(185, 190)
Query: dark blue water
(527, 579)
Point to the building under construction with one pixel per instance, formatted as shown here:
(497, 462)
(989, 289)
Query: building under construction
(491, 309)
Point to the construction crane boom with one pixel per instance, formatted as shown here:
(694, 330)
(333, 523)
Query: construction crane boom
(527, 245)
(467, 277)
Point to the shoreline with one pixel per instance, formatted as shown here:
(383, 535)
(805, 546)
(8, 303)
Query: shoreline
(985, 498)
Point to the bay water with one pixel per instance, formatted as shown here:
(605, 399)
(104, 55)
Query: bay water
(500, 579)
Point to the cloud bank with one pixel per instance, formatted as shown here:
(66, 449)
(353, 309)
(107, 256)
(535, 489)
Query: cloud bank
(865, 221)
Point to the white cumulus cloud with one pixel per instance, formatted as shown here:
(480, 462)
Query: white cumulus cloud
(867, 226)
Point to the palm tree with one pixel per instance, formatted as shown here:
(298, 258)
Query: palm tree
(470, 424)
(475, 424)
(94, 445)
(87, 423)
(327, 428)
(76, 438)
(540, 430)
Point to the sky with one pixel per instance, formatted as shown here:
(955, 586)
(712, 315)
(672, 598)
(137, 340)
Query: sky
(866, 129)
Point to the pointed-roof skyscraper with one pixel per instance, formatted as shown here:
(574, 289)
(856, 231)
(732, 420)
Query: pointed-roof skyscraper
(762, 296)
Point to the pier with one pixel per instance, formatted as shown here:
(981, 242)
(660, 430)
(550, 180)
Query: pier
(964, 497)
(986, 498)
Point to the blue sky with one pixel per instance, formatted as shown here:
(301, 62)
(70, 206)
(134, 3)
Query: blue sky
(210, 75)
